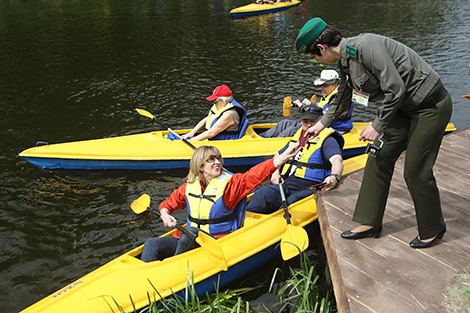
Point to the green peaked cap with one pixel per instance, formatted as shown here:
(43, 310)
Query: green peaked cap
(309, 32)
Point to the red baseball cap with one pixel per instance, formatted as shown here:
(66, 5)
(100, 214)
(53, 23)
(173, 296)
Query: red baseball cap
(220, 91)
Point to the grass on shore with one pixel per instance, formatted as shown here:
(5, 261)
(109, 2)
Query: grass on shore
(457, 296)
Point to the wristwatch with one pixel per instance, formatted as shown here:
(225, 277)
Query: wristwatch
(338, 178)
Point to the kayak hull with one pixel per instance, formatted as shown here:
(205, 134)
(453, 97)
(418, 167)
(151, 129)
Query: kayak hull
(126, 277)
(152, 151)
(256, 9)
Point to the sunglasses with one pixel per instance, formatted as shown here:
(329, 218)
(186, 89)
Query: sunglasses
(311, 109)
(212, 158)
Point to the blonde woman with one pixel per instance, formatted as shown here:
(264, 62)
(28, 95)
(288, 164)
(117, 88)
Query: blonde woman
(215, 200)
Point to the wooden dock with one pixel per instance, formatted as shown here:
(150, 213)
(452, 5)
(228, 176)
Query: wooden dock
(386, 274)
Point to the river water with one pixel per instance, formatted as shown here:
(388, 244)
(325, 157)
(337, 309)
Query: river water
(73, 70)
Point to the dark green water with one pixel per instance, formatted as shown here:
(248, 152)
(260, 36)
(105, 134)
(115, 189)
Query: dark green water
(74, 70)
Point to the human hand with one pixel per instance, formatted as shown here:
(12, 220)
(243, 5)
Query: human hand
(276, 178)
(297, 103)
(313, 131)
(188, 135)
(168, 220)
(291, 151)
(369, 133)
(330, 183)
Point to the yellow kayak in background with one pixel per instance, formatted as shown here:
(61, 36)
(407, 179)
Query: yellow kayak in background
(255, 9)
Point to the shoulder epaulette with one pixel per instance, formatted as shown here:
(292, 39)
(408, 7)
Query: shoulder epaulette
(351, 51)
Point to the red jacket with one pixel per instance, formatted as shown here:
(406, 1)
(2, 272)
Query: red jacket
(239, 186)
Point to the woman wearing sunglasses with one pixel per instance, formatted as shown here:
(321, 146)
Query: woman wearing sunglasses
(215, 199)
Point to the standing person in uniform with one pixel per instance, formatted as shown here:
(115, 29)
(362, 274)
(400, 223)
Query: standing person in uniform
(413, 111)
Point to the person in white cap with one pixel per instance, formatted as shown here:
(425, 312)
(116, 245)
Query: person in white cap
(328, 82)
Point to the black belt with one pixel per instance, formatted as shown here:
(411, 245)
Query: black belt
(217, 220)
(432, 100)
(309, 165)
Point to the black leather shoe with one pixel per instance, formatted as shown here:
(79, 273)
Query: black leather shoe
(418, 244)
(373, 232)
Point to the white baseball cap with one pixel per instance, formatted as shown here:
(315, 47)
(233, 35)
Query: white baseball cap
(327, 77)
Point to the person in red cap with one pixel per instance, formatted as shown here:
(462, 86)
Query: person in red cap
(226, 119)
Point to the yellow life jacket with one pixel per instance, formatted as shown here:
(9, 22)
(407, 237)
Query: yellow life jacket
(206, 209)
(344, 123)
(326, 100)
(309, 163)
(214, 114)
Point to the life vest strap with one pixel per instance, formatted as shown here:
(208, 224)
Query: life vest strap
(217, 220)
(309, 165)
(207, 197)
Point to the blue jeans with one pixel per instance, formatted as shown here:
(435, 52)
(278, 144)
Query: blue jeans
(285, 128)
(268, 199)
(164, 247)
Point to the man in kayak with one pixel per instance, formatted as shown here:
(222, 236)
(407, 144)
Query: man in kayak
(215, 199)
(226, 119)
(319, 161)
(328, 82)
(413, 111)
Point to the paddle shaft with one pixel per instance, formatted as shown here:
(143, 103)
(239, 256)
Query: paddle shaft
(188, 233)
(284, 204)
(174, 133)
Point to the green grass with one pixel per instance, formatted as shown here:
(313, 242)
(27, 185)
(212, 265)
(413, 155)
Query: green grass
(457, 295)
(300, 293)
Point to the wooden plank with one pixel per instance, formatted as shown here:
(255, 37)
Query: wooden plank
(342, 303)
(385, 274)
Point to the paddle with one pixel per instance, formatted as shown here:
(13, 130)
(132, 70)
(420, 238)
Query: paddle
(150, 115)
(295, 239)
(208, 243)
(287, 105)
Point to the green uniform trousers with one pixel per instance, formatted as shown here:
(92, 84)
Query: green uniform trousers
(420, 133)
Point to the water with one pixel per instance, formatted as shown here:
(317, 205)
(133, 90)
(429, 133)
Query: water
(73, 70)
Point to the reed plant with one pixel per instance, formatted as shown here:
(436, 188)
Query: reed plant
(301, 293)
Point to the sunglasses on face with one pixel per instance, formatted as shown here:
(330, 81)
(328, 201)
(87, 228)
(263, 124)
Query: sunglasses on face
(311, 109)
(212, 158)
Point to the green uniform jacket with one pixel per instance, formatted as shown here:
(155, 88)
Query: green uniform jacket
(395, 77)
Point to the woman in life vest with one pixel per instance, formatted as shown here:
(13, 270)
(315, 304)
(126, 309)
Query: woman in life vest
(226, 119)
(215, 200)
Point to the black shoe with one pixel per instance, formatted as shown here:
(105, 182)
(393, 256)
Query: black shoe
(373, 232)
(418, 244)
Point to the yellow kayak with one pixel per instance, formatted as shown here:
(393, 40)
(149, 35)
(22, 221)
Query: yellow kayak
(255, 9)
(245, 250)
(153, 151)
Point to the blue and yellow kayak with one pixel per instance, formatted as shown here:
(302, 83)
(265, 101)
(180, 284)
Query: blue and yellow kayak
(153, 151)
(255, 9)
(245, 250)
